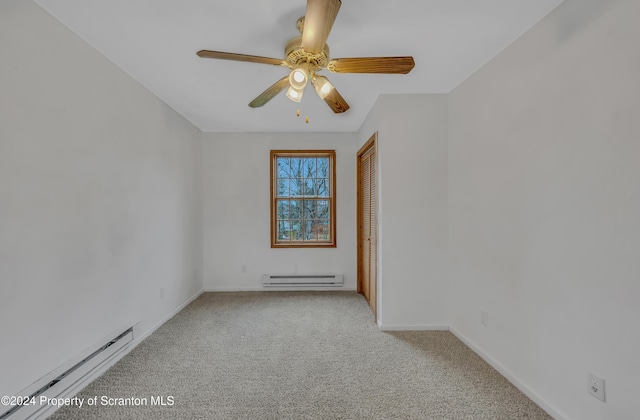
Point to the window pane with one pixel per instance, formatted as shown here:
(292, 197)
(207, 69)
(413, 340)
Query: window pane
(323, 230)
(309, 189)
(283, 188)
(310, 167)
(323, 187)
(323, 167)
(296, 168)
(296, 187)
(310, 230)
(323, 209)
(296, 230)
(312, 187)
(295, 211)
(284, 231)
(284, 167)
(283, 209)
(309, 210)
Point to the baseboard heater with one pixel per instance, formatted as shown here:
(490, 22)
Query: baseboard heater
(293, 280)
(66, 380)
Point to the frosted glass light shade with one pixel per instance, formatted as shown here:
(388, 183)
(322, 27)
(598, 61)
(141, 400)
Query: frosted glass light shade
(295, 94)
(298, 79)
(322, 85)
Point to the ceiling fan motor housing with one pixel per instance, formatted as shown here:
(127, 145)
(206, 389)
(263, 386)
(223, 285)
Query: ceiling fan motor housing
(296, 56)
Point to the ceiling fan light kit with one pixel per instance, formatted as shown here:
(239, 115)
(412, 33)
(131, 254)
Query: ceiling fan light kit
(308, 54)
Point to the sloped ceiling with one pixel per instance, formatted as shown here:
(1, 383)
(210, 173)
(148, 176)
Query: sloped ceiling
(155, 41)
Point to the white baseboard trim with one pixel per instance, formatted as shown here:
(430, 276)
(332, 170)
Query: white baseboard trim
(106, 364)
(510, 377)
(391, 327)
(138, 337)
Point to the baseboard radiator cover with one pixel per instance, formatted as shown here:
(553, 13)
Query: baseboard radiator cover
(65, 381)
(301, 280)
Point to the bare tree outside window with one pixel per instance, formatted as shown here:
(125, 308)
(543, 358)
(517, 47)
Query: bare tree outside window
(303, 198)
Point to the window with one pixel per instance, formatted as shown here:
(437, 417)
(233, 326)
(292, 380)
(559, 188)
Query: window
(303, 203)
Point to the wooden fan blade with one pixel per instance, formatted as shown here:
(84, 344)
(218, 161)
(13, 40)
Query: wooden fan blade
(383, 65)
(241, 57)
(336, 102)
(318, 21)
(270, 93)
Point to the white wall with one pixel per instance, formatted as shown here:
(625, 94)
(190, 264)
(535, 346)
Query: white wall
(544, 208)
(412, 213)
(236, 210)
(99, 199)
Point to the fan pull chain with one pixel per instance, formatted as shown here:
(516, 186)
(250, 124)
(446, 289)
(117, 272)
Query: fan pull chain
(306, 118)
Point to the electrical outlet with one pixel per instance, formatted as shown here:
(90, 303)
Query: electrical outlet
(484, 318)
(595, 386)
(244, 268)
(162, 293)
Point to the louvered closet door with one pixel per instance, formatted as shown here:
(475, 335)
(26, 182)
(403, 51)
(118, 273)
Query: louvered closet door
(365, 235)
(368, 225)
(373, 229)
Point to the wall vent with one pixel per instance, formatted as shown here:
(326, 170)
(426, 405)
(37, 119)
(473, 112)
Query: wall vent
(293, 280)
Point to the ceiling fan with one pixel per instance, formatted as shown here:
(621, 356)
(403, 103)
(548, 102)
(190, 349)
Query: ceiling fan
(308, 54)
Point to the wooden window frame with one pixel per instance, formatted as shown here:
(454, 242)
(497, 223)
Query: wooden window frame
(275, 242)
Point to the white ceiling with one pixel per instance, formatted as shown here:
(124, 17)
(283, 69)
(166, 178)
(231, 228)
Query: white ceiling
(155, 41)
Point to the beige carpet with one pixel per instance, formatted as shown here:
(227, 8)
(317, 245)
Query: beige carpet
(299, 355)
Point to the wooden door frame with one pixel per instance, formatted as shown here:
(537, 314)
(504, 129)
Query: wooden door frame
(371, 143)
